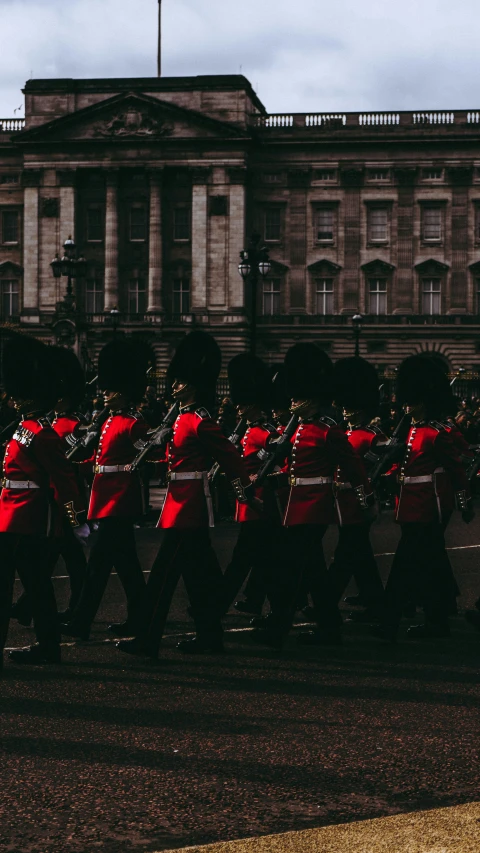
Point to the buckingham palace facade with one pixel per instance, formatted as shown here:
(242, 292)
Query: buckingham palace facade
(161, 181)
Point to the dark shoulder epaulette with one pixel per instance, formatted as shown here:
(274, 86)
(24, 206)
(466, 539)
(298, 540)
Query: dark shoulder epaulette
(437, 425)
(81, 418)
(328, 421)
(44, 422)
(202, 413)
(270, 428)
(137, 416)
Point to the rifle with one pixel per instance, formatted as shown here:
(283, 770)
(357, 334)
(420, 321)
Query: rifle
(235, 438)
(158, 438)
(275, 451)
(91, 435)
(393, 450)
(4, 434)
(474, 467)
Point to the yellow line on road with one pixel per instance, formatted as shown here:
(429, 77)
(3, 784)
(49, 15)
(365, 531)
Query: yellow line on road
(449, 830)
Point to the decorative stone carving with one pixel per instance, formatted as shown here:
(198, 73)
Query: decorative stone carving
(431, 267)
(50, 207)
(324, 267)
(378, 268)
(134, 122)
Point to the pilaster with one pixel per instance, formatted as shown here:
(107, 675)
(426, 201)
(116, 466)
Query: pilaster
(111, 242)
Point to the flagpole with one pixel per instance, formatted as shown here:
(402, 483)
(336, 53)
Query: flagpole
(159, 50)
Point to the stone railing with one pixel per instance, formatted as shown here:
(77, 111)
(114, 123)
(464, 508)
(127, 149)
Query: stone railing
(386, 120)
(371, 320)
(11, 125)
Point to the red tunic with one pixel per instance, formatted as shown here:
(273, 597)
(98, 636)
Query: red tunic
(319, 447)
(430, 454)
(67, 424)
(118, 493)
(197, 441)
(363, 439)
(36, 453)
(256, 438)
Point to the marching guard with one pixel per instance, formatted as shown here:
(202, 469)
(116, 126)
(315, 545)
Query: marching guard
(318, 447)
(39, 491)
(187, 513)
(355, 383)
(432, 482)
(116, 500)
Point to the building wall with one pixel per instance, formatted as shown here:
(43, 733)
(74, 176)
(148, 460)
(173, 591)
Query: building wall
(287, 170)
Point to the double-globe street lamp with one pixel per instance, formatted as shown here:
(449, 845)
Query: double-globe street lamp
(254, 264)
(71, 267)
(357, 321)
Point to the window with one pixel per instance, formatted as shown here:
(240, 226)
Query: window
(181, 296)
(181, 223)
(137, 296)
(378, 225)
(10, 226)
(324, 175)
(378, 175)
(324, 296)
(9, 179)
(324, 224)
(432, 224)
(138, 223)
(377, 288)
(271, 297)
(432, 174)
(10, 290)
(273, 224)
(95, 224)
(94, 296)
(272, 177)
(432, 296)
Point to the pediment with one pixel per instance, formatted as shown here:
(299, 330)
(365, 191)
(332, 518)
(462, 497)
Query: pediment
(324, 267)
(10, 268)
(378, 268)
(431, 267)
(130, 116)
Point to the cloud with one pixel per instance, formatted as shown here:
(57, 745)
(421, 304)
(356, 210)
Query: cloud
(301, 56)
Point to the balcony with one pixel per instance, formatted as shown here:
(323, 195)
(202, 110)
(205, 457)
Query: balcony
(370, 320)
(12, 125)
(368, 121)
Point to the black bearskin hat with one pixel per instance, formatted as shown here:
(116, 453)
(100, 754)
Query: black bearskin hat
(249, 380)
(122, 367)
(308, 373)
(28, 370)
(355, 385)
(421, 379)
(70, 373)
(197, 361)
(279, 399)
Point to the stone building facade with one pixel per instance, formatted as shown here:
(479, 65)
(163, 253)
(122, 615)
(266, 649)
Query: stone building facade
(161, 182)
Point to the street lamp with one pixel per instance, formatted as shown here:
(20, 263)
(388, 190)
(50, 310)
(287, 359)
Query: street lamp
(114, 319)
(254, 261)
(357, 321)
(70, 267)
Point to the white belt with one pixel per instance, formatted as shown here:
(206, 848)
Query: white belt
(425, 478)
(187, 475)
(110, 469)
(310, 481)
(19, 484)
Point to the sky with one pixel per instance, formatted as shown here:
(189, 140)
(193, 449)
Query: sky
(299, 55)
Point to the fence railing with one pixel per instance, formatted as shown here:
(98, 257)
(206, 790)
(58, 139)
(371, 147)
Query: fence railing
(380, 119)
(11, 125)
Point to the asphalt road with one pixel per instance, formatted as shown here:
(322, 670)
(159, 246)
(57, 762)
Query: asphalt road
(116, 754)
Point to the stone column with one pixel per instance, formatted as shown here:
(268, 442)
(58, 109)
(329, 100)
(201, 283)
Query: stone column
(199, 239)
(236, 287)
(111, 243)
(155, 301)
(31, 182)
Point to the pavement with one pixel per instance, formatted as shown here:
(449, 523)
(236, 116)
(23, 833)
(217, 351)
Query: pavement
(117, 754)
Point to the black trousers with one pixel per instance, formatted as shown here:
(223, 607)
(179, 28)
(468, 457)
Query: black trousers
(75, 560)
(420, 572)
(354, 557)
(30, 557)
(113, 547)
(188, 554)
(255, 553)
(302, 567)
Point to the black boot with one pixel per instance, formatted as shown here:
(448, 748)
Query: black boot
(121, 629)
(201, 645)
(74, 629)
(473, 618)
(267, 637)
(320, 638)
(247, 607)
(137, 647)
(384, 632)
(36, 655)
(428, 631)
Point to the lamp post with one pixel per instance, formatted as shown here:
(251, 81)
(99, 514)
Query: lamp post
(254, 262)
(71, 267)
(357, 321)
(114, 319)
